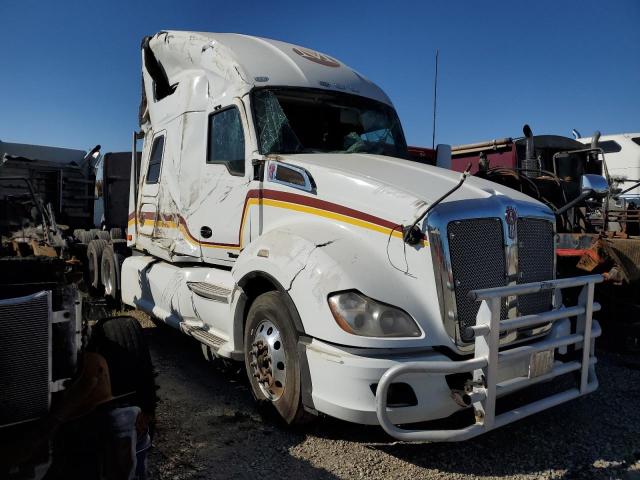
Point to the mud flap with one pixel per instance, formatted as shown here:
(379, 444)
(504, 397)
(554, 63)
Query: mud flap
(306, 387)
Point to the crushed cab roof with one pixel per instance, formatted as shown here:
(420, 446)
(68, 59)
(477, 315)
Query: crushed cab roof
(255, 61)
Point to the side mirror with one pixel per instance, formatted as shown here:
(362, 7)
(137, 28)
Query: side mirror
(593, 186)
(443, 156)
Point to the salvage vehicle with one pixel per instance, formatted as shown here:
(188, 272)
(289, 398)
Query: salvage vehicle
(623, 163)
(276, 218)
(77, 396)
(62, 177)
(76, 191)
(593, 235)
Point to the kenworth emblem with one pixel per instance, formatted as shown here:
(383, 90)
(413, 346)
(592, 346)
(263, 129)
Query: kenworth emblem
(511, 216)
(316, 57)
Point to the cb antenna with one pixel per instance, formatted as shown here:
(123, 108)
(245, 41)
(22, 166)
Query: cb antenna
(435, 101)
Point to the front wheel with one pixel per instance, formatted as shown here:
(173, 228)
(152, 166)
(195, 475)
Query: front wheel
(271, 357)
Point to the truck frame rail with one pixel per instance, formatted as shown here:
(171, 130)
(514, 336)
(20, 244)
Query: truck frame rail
(487, 358)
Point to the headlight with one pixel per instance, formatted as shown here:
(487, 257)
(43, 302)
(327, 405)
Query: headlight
(361, 315)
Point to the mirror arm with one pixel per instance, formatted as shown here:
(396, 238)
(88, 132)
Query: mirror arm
(574, 202)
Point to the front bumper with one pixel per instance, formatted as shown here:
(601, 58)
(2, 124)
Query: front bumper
(342, 378)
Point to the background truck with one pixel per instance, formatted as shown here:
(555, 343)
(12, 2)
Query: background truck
(623, 163)
(82, 196)
(77, 392)
(77, 396)
(276, 219)
(593, 235)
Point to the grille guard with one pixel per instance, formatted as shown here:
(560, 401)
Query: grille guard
(484, 364)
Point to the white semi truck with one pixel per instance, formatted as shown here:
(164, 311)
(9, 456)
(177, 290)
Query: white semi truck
(623, 162)
(276, 219)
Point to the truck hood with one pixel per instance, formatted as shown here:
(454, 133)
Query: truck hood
(394, 188)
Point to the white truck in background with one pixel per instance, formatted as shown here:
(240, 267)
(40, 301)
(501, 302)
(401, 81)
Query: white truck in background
(622, 151)
(276, 219)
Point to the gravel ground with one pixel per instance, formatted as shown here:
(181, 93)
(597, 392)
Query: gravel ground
(209, 428)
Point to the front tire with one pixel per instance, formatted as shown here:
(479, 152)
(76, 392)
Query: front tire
(271, 357)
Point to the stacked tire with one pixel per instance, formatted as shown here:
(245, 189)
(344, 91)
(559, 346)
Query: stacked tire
(86, 236)
(116, 233)
(120, 340)
(100, 234)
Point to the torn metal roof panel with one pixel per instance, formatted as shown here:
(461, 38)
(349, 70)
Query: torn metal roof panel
(42, 152)
(245, 61)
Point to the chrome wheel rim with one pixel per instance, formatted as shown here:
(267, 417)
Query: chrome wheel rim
(268, 363)
(106, 280)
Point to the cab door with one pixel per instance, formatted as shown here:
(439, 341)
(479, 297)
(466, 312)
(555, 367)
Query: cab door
(219, 222)
(147, 214)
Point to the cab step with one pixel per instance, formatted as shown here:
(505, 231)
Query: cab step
(203, 336)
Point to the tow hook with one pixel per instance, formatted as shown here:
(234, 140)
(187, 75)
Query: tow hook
(474, 391)
(459, 397)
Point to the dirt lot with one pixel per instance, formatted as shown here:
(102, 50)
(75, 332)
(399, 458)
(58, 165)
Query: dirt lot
(209, 428)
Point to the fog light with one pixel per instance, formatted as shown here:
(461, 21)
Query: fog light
(399, 395)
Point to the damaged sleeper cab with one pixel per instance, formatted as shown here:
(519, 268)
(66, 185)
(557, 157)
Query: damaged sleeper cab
(271, 220)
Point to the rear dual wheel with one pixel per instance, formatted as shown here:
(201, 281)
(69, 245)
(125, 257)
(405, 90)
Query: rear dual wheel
(104, 260)
(94, 261)
(110, 272)
(271, 357)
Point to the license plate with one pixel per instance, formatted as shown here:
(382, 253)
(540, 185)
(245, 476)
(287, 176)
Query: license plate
(540, 363)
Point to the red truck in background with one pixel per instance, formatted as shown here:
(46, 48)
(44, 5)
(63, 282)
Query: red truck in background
(594, 235)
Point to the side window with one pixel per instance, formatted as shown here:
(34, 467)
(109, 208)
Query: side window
(636, 140)
(155, 160)
(226, 140)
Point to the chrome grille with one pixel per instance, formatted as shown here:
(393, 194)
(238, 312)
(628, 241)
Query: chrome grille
(25, 330)
(535, 262)
(477, 261)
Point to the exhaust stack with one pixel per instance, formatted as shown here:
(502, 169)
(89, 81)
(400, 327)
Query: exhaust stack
(530, 162)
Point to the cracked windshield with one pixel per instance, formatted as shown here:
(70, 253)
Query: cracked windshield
(312, 121)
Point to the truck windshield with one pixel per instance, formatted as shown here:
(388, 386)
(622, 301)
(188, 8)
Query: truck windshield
(319, 121)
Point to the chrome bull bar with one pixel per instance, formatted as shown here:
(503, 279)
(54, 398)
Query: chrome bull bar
(487, 357)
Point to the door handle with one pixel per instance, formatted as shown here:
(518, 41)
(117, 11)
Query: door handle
(206, 232)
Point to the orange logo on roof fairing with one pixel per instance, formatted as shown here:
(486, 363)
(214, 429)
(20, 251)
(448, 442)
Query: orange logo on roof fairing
(316, 57)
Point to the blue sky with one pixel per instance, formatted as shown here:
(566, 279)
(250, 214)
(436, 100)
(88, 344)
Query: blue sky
(70, 71)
